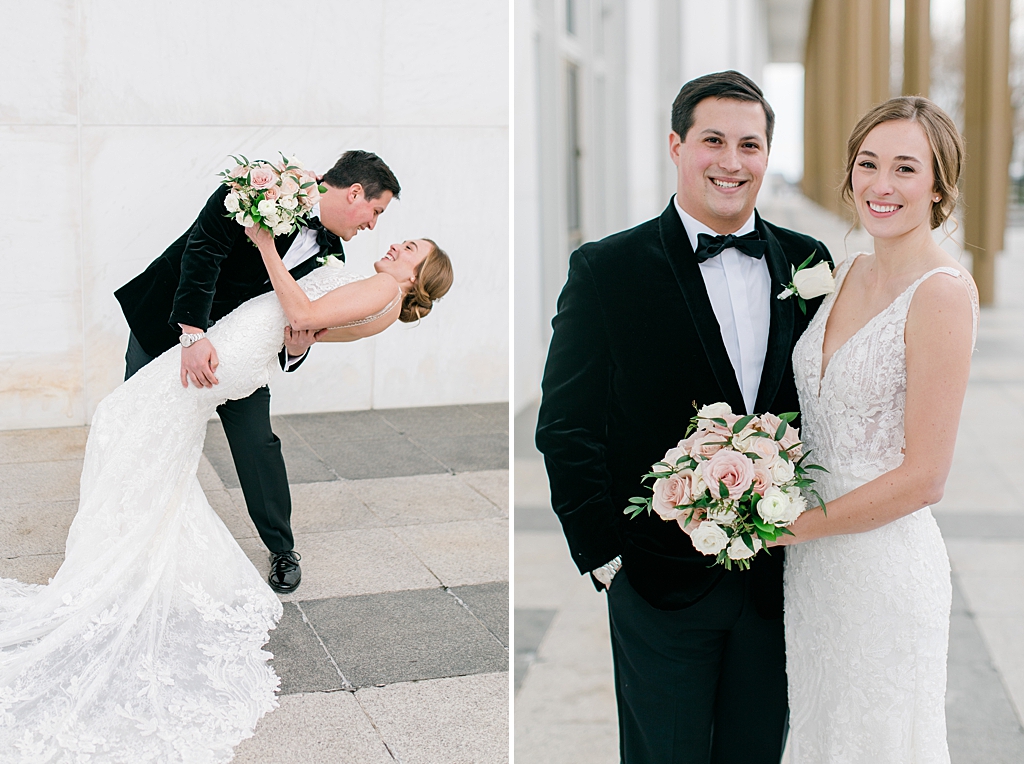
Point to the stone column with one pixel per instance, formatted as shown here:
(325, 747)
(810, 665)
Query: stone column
(917, 47)
(988, 134)
(847, 72)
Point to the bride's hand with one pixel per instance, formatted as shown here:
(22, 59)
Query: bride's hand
(259, 235)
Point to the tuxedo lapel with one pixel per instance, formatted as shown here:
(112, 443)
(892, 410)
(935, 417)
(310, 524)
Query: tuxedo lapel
(780, 331)
(284, 243)
(684, 266)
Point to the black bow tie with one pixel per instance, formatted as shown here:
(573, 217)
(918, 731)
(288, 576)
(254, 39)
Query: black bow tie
(327, 240)
(709, 246)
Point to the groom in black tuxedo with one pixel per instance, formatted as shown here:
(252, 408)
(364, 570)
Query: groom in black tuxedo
(211, 270)
(677, 311)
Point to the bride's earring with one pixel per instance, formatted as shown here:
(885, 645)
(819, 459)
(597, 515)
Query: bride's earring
(937, 199)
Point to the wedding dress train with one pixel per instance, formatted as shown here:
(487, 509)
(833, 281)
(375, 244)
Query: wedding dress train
(146, 646)
(867, 614)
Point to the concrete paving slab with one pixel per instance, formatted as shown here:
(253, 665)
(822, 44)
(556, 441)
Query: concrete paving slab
(345, 563)
(976, 700)
(446, 721)
(232, 512)
(536, 518)
(545, 575)
(209, 480)
(404, 636)
(975, 556)
(492, 485)
(1002, 636)
(315, 728)
(489, 603)
(34, 482)
(421, 499)
(391, 457)
(468, 453)
(36, 528)
(320, 429)
(460, 553)
(531, 626)
(324, 507)
(994, 526)
(46, 445)
(453, 420)
(33, 569)
(299, 659)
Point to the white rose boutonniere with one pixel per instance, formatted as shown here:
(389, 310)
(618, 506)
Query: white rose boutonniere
(330, 261)
(808, 283)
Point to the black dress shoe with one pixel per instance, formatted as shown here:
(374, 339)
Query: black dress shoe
(285, 573)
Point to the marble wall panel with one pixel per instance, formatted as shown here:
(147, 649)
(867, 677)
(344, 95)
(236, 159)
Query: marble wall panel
(145, 186)
(207, 63)
(40, 280)
(445, 63)
(458, 196)
(38, 59)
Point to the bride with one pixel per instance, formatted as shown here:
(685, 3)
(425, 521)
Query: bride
(146, 646)
(881, 372)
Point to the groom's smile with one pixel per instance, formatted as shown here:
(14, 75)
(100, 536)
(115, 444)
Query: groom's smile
(721, 162)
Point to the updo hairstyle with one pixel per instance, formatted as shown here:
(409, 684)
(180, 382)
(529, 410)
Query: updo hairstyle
(434, 278)
(943, 137)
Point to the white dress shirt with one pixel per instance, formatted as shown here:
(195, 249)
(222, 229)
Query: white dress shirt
(739, 288)
(303, 247)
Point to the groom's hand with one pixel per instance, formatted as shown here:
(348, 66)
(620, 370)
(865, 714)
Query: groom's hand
(298, 341)
(198, 364)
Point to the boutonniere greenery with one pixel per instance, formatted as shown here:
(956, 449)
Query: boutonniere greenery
(808, 283)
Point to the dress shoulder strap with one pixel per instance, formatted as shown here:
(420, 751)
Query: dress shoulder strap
(971, 290)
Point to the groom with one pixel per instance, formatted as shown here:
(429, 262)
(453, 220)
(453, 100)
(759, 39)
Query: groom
(678, 311)
(211, 270)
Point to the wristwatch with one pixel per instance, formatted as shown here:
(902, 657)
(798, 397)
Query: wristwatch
(188, 340)
(607, 572)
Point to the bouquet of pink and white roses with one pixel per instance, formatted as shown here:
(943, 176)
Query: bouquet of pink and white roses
(278, 196)
(740, 478)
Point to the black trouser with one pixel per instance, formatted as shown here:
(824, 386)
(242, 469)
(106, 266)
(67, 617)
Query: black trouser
(256, 451)
(703, 684)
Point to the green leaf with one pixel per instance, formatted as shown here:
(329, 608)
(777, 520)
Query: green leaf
(748, 541)
(723, 490)
(786, 531)
(638, 500)
(751, 455)
(784, 456)
(815, 467)
(742, 423)
(719, 420)
(802, 303)
(789, 416)
(807, 262)
(781, 429)
(322, 188)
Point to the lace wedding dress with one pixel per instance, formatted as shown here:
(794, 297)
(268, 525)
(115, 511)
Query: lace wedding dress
(867, 614)
(146, 646)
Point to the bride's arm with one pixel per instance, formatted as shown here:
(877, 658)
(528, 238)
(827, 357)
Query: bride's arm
(939, 338)
(339, 306)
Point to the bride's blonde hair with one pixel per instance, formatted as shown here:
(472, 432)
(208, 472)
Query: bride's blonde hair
(434, 278)
(943, 137)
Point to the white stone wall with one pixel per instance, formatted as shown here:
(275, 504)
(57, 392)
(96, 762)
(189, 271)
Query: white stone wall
(115, 117)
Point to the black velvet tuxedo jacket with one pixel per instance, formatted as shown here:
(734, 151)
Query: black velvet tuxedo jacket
(204, 275)
(635, 345)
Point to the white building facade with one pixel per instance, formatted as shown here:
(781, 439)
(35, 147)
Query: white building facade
(116, 116)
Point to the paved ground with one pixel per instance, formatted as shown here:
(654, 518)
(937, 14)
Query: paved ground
(565, 705)
(395, 647)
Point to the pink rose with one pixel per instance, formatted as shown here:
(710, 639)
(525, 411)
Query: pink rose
(762, 478)
(671, 492)
(263, 177)
(770, 425)
(731, 468)
(706, 443)
(272, 193)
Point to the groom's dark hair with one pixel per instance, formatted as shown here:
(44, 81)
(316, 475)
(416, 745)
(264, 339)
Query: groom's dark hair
(730, 84)
(366, 169)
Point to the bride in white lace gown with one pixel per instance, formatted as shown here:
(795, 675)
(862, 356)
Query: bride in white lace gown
(881, 372)
(146, 646)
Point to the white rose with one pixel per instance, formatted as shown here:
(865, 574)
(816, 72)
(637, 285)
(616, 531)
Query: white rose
(799, 504)
(722, 515)
(709, 538)
(740, 551)
(714, 411)
(282, 228)
(242, 219)
(775, 507)
(231, 202)
(288, 202)
(814, 282)
(699, 485)
(781, 470)
(332, 262)
(267, 207)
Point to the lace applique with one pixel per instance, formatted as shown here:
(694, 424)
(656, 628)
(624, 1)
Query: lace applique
(867, 614)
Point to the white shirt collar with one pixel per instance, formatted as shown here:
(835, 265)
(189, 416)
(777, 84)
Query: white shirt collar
(694, 226)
